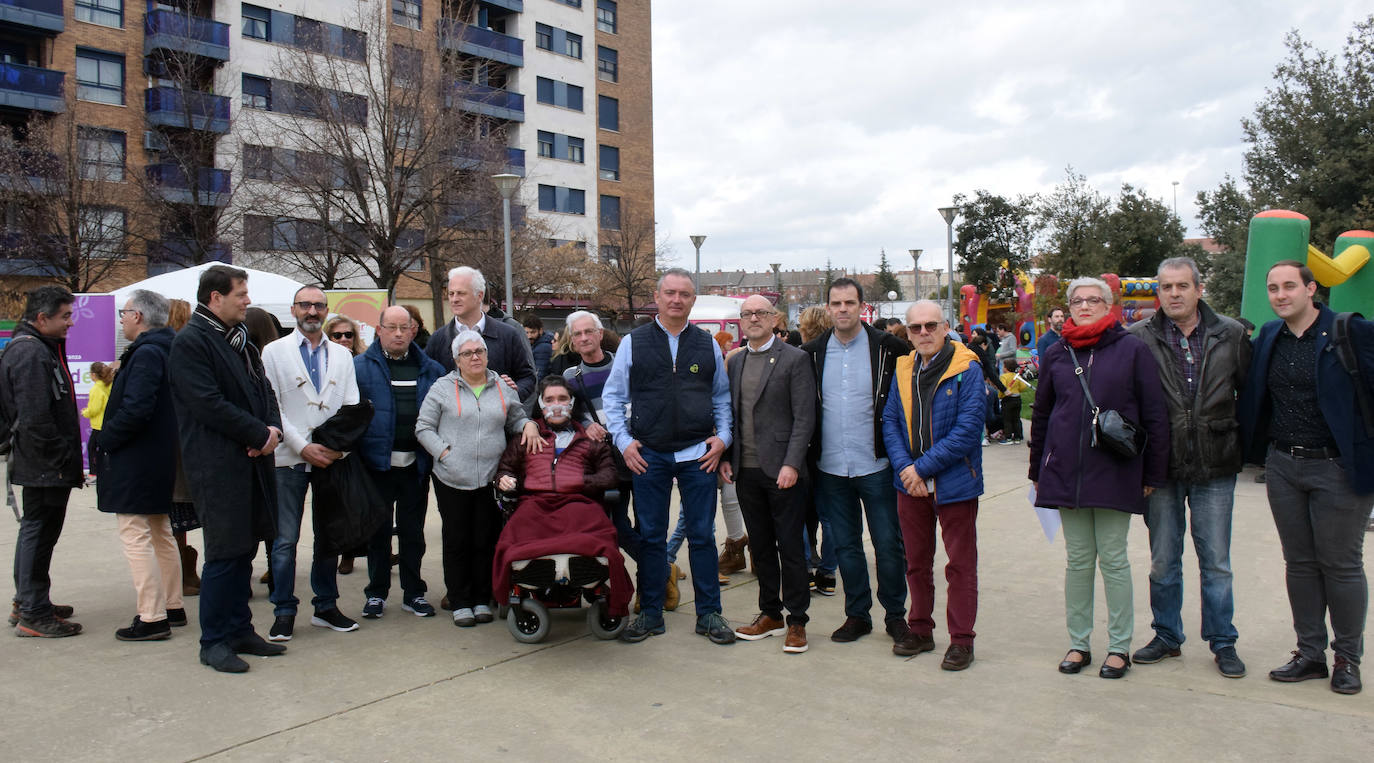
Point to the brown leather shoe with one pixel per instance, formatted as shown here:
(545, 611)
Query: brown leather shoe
(957, 657)
(732, 556)
(762, 627)
(671, 594)
(796, 639)
(913, 644)
(345, 565)
(190, 580)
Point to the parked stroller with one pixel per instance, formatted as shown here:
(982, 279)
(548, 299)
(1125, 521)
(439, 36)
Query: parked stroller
(558, 547)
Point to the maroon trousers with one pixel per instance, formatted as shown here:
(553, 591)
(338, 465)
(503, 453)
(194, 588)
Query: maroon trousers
(958, 530)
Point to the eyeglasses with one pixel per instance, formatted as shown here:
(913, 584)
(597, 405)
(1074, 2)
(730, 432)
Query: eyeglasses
(760, 314)
(394, 327)
(128, 310)
(929, 327)
(1090, 301)
(341, 335)
(471, 354)
(319, 306)
(1187, 349)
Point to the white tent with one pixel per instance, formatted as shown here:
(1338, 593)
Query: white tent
(270, 291)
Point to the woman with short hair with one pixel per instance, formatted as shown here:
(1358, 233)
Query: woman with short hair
(1096, 491)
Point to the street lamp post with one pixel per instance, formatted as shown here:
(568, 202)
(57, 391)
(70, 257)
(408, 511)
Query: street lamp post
(696, 242)
(1175, 198)
(506, 183)
(938, 271)
(949, 213)
(915, 273)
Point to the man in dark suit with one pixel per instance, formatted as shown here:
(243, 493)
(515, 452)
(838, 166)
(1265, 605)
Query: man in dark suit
(229, 426)
(508, 351)
(773, 397)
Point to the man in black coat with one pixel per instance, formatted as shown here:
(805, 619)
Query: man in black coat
(508, 351)
(38, 424)
(138, 454)
(229, 426)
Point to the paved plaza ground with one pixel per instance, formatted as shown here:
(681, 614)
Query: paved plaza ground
(405, 688)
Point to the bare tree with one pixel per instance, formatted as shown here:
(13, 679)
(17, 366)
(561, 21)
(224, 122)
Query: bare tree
(61, 187)
(553, 272)
(628, 260)
(365, 168)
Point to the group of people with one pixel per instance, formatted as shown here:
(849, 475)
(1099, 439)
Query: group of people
(854, 428)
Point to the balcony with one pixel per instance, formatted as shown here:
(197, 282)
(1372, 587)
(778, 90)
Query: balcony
(481, 42)
(24, 254)
(514, 6)
(487, 101)
(174, 30)
(176, 253)
(211, 185)
(190, 109)
(28, 171)
(473, 216)
(467, 157)
(28, 87)
(38, 15)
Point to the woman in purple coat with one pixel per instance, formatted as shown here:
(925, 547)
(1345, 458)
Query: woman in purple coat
(1096, 492)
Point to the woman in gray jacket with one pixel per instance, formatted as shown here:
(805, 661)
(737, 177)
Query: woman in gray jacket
(464, 422)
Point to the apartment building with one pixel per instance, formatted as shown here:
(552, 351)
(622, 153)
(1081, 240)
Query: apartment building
(181, 110)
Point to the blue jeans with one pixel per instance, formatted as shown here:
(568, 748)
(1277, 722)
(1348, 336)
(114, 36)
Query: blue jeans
(653, 492)
(291, 486)
(837, 501)
(1210, 504)
(825, 560)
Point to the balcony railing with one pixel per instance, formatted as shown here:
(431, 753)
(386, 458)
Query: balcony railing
(24, 254)
(471, 215)
(191, 109)
(29, 171)
(517, 6)
(174, 30)
(481, 42)
(28, 87)
(467, 157)
(41, 15)
(175, 253)
(488, 101)
(211, 187)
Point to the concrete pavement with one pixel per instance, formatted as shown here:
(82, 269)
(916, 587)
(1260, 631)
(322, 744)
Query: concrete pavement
(406, 688)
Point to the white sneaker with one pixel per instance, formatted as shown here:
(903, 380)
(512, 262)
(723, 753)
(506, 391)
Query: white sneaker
(482, 613)
(464, 618)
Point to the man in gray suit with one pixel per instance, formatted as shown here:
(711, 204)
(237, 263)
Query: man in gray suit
(773, 394)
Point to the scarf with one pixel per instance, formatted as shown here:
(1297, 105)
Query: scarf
(1079, 337)
(236, 336)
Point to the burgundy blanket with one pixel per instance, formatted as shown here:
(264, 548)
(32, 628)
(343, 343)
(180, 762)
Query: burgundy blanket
(550, 523)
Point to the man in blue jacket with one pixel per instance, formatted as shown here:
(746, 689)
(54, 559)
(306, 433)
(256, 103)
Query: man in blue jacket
(1301, 417)
(395, 374)
(932, 427)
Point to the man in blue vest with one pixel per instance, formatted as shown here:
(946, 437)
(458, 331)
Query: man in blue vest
(668, 411)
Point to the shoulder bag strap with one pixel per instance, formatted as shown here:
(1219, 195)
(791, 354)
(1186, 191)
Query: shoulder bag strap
(1078, 371)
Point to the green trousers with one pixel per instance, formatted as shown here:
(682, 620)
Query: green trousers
(1097, 538)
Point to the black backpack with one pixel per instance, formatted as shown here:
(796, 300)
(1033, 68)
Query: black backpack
(1343, 344)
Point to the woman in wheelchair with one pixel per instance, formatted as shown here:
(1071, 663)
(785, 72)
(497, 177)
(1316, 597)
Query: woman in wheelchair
(559, 511)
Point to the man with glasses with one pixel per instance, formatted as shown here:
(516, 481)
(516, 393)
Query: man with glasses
(853, 365)
(1203, 359)
(508, 351)
(312, 378)
(395, 374)
(932, 427)
(773, 399)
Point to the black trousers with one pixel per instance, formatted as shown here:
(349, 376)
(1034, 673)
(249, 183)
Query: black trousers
(225, 587)
(1011, 418)
(410, 493)
(774, 519)
(471, 527)
(45, 511)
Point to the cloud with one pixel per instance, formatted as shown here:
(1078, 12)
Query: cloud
(801, 130)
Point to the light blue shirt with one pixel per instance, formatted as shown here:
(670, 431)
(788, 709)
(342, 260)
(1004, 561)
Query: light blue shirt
(616, 397)
(316, 360)
(847, 409)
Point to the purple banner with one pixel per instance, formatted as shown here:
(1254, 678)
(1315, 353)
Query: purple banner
(91, 339)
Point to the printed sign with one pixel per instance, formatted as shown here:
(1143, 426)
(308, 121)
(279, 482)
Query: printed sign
(91, 339)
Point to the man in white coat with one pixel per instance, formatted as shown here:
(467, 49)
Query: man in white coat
(312, 378)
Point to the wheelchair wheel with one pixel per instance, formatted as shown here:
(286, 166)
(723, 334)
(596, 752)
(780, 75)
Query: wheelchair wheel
(529, 622)
(601, 624)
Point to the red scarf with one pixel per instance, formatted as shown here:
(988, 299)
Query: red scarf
(1079, 337)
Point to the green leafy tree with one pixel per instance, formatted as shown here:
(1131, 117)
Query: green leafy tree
(994, 230)
(1074, 216)
(1225, 217)
(1141, 232)
(884, 281)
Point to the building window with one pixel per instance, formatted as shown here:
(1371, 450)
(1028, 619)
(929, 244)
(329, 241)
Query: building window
(607, 64)
(573, 3)
(257, 22)
(101, 152)
(407, 66)
(406, 13)
(102, 231)
(607, 113)
(257, 162)
(605, 15)
(576, 151)
(608, 158)
(546, 144)
(543, 36)
(99, 77)
(610, 212)
(556, 198)
(408, 131)
(558, 93)
(257, 92)
(103, 12)
(554, 145)
(608, 253)
(572, 46)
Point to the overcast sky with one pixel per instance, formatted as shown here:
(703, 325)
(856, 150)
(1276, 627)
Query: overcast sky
(794, 131)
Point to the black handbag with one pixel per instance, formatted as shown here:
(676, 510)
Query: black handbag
(1111, 431)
